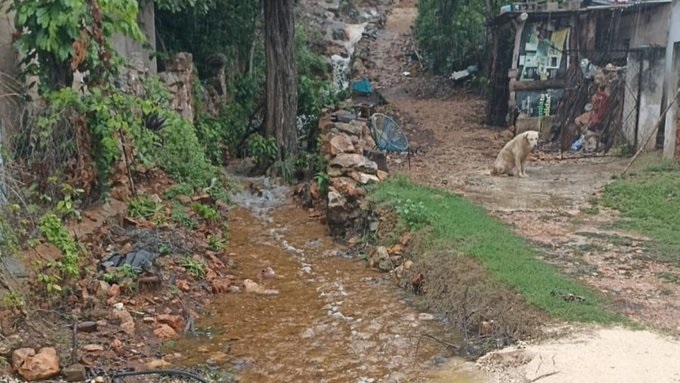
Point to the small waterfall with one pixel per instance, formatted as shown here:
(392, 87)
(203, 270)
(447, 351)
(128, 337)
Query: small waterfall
(341, 65)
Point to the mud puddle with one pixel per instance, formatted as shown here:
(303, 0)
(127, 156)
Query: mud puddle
(332, 320)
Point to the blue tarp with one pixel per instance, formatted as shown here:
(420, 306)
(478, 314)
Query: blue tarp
(363, 87)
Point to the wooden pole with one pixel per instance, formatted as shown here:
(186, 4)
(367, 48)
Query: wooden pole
(652, 133)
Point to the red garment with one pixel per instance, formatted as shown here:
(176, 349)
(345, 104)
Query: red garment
(600, 100)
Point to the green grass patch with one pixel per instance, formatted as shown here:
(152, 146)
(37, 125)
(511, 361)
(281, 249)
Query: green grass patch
(649, 202)
(454, 223)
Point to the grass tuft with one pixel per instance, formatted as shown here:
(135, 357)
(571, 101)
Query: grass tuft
(649, 202)
(455, 224)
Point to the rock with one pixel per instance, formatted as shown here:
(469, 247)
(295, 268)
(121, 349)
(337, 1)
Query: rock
(87, 326)
(184, 200)
(268, 273)
(358, 68)
(34, 366)
(425, 316)
(377, 156)
(353, 161)
(175, 321)
(9, 344)
(485, 328)
(339, 34)
(156, 364)
(380, 258)
(164, 331)
(382, 175)
(364, 178)
(19, 356)
(127, 324)
(117, 345)
(74, 373)
(335, 199)
(221, 285)
(183, 285)
(396, 249)
(340, 143)
(92, 348)
(210, 274)
(102, 289)
(353, 128)
(309, 333)
(347, 187)
(250, 286)
(15, 267)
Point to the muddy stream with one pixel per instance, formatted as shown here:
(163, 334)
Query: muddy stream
(332, 320)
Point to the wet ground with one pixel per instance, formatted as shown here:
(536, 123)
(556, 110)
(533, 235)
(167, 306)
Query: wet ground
(328, 318)
(455, 150)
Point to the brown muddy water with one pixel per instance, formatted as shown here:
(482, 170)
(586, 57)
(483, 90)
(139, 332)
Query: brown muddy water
(333, 319)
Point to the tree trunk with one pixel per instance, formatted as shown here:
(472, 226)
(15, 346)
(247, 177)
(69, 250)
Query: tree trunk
(281, 99)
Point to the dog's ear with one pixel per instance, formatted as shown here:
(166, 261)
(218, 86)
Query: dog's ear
(526, 137)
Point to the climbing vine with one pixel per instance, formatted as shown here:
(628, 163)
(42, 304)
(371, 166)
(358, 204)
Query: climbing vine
(57, 37)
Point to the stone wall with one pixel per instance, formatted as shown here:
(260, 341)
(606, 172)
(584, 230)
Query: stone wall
(179, 77)
(347, 147)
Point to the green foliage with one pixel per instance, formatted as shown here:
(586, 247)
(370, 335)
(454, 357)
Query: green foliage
(181, 216)
(228, 28)
(451, 34)
(68, 266)
(50, 28)
(120, 274)
(174, 6)
(181, 155)
(179, 189)
(265, 150)
(206, 212)
(143, 207)
(13, 300)
(217, 243)
(195, 267)
(66, 205)
(650, 204)
(412, 213)
(323, 181)
(457, 225)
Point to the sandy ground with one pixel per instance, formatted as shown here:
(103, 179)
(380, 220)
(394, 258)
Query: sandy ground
(602, 355)
(454, 152)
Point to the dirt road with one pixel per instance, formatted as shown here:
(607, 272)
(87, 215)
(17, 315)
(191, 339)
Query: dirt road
(455, 151)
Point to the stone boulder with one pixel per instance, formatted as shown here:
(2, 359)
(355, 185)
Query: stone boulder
(353, 128)
(34, 366)
(340, 143)
(345, 162)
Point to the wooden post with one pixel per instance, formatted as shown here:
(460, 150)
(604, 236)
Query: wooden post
(513, 74)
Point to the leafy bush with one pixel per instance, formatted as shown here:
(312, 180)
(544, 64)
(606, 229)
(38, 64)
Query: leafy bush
(54, 230)
(61, 35)
(451, 34)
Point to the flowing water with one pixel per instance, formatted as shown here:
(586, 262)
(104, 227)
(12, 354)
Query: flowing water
(333, 319)
(340, 64)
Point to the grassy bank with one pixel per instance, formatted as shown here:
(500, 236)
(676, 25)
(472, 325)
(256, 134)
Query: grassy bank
(649, 201)
(454, 224)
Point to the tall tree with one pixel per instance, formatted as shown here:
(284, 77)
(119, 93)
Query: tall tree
(281, 98)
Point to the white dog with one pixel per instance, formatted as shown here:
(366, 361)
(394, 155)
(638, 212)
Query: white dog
(513, 156)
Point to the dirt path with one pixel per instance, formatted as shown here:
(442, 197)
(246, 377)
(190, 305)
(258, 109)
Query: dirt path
(455, 151)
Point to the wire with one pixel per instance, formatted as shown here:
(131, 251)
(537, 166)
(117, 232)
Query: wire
(159, 372)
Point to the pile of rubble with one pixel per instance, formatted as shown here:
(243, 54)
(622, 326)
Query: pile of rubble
(352, 164)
